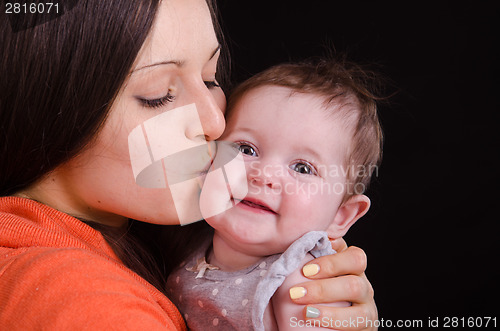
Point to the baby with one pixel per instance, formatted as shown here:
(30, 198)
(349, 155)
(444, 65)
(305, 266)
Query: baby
(310, 139)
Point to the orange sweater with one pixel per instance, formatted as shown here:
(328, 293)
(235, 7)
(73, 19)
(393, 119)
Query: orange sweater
(57, 273)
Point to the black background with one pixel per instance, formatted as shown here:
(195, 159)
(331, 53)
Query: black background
(431, 235)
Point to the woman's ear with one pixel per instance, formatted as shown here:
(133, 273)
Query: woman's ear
(348, 213)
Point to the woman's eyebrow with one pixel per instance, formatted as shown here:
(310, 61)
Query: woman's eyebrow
(175, 62)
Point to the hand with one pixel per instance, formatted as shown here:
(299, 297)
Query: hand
(339, 277)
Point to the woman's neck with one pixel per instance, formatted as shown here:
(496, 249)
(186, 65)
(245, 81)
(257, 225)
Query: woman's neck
(53, 193)
(228, 258)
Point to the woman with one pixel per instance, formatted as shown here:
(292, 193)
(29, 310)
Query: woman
(72, 91)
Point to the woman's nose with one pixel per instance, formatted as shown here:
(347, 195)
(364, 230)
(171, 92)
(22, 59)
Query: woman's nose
(210, 104)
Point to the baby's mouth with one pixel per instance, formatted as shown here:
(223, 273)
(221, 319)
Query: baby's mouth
(252, 203)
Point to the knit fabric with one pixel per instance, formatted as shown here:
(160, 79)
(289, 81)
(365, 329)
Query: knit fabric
(57, 273)
(212, 299)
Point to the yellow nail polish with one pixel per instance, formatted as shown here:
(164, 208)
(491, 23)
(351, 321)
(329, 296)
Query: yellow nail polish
(310, 270)
(297, 292)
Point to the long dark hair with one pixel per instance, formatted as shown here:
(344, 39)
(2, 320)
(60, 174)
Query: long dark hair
(58, 80)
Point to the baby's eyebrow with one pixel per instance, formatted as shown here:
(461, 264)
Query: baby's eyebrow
(244, 129)
(311, 151)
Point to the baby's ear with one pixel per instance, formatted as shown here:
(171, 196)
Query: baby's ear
(349, 212)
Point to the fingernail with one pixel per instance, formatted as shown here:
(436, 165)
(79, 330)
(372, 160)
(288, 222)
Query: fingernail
(297, 292)
(312, 312)
(310, 270)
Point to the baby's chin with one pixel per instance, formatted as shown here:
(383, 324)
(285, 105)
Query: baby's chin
(248, 239)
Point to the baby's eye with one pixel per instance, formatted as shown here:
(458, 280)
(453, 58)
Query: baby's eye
(303, 167)
(247, 149)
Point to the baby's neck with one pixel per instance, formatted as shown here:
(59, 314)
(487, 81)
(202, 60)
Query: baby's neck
(227, 258)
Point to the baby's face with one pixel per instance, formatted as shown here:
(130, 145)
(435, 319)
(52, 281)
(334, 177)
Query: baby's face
(294, 151)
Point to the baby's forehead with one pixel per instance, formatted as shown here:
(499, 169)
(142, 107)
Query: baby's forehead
(336, 107)
(309, 114)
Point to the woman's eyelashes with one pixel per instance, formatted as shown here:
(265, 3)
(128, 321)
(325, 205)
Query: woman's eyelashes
(160, 102)
(211, 84)
(156, 103)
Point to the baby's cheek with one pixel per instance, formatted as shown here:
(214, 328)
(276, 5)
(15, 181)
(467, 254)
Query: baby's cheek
(315, 203)
(299, 205)
(308, 194)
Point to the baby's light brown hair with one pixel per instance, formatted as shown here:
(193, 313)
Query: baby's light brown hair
(343, 84)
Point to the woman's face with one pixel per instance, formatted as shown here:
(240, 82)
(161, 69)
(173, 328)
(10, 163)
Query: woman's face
(175, 68)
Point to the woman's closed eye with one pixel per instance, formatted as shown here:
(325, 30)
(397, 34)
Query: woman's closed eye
(304, 167)
(210, 84)
(156, 103)
(160, 102)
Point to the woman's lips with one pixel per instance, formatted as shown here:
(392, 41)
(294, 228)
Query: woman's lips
(207, 167)
(255, 205)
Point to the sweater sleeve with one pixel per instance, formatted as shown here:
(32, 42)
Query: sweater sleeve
(66, 289)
